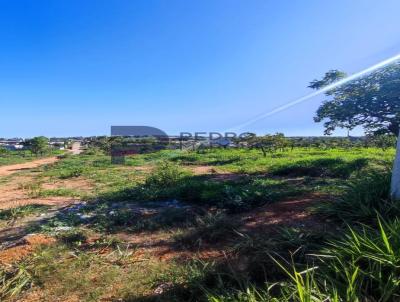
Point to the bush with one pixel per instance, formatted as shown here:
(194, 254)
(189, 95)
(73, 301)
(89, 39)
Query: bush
(165, 175)
(64, 155)
(72, 172)
(164, 181)
(72, 237)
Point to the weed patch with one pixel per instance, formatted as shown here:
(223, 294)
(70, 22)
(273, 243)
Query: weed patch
(22, 211)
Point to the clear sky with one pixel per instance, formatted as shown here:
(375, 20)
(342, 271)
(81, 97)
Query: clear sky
(78, 67)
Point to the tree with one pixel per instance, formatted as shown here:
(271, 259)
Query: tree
(383, 141)
(38, 144)
(267, 143)
(3, 151)
(372, 102)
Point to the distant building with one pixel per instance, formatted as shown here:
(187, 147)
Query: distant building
(12, 147)
(60, 145)
(222, 142)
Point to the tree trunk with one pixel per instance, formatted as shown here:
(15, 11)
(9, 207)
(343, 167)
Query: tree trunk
(395, 190)
(394, 128)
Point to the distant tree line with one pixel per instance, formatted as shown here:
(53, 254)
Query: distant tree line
(267, 144)
(278, 142)
(37, 146)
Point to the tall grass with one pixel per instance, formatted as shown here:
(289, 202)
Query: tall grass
(361, 264)
(365, 264)
(364, 197)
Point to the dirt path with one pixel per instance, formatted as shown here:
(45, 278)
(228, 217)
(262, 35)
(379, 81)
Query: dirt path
(10, 169)
(7, 170)
(15, 240)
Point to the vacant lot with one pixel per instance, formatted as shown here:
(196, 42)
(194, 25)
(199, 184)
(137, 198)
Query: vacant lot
(212, 225)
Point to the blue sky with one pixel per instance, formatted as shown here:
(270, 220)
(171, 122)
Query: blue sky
(78, 67)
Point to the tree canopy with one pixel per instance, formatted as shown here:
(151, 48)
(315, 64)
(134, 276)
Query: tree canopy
(372, 102)
(38, 144)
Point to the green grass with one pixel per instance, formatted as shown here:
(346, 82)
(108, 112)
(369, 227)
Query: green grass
(21, 156)
(321, 168)
(35, 189)
(251, 161)
(22, 211)
(352, 257)
(14, 157)
(96, 168)
(365, 196)
(90, 276)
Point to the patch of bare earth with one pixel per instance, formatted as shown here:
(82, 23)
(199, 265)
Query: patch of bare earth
(15, 242)
(266, 219)
(161, 246)
(215, 173)
(200, 170)
(293, 212)
(12, 194)
(144, 168)
(23, 248)
(10, 169)
(41, 296)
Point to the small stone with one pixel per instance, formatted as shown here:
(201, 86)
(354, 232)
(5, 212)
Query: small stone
(163, 288)
(62, 228)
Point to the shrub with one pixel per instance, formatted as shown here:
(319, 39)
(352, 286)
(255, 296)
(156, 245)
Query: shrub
(165, 175)
(164, 181)
(72, 237)
(64, 155)
(72, 172)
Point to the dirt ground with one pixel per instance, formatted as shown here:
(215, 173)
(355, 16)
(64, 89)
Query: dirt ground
(11, 169)
(15, 243)
(293, 212)
(14, 190)
(24, 248)
(263, 220)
